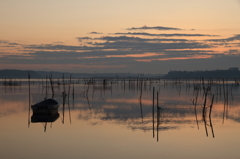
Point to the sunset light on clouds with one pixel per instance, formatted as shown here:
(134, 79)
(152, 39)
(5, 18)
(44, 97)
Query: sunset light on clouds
(119, 36)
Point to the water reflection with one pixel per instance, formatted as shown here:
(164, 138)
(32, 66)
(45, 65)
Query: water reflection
(146, 105)
(145, 117)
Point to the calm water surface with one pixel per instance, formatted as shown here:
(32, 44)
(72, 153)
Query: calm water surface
(112, 122)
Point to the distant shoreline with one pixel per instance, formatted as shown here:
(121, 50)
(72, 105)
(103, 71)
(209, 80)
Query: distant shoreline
(23, 74)
(231, 73)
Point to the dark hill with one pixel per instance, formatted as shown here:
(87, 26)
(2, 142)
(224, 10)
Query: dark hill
(204, 74)
(10, 74)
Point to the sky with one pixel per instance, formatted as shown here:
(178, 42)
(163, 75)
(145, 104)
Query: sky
(113, 36)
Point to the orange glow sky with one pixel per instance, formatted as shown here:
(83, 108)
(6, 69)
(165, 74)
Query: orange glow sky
(119, 36)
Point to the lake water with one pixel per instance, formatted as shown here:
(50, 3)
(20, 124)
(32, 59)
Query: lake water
(111, 121)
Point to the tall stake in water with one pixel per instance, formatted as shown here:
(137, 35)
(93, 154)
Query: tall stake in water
(51, 82)
(141, 82)
(29, 93)
(46, 86)
(153, 113)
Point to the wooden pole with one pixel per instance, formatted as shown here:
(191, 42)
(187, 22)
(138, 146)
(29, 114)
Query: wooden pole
(29, 96)
(153, 114)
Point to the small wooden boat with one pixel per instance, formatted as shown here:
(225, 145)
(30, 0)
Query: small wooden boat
(45, 106)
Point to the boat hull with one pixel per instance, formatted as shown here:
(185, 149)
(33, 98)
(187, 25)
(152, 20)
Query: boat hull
(47, 106)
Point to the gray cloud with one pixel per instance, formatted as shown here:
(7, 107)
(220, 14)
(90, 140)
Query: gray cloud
(125, 42)
(94, 32)
(83, 38)
(107, 53)
(132, 51)
(232, 52)
(56, 47)
(236, 37)
(165, 35)
(117, 45)
(153, 45)
(153, 28)
(58, 42)
(126, 38)
(3, 42)
(8, 44)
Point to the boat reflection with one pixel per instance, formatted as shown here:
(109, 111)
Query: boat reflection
(49, 116)
(44, 117)
(45, 112)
